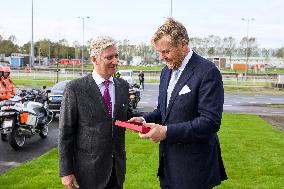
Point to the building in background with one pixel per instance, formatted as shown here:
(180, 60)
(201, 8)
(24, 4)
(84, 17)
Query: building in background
(239, 67)
(18, 60)
(220, 62)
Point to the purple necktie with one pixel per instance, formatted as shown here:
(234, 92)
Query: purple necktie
(106, 97)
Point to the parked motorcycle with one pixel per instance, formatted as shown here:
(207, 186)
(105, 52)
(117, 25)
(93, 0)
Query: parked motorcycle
(134, 95)
(36, 95)
(24, 116)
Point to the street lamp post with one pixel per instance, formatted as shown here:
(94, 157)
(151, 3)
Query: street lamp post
(83, 40)
(247, 58)
(39, 51)
(49, 54)
(32, 40)
(171, 8)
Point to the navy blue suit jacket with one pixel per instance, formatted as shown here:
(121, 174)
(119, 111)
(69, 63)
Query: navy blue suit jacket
(190, 156)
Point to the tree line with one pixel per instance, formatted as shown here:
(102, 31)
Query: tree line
(209, 46)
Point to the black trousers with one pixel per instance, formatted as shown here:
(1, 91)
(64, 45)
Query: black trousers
(112, 183)
(164, 184)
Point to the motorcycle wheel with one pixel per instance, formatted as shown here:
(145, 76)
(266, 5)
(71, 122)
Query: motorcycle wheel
(44, 132)
(4, 137)
(16, 140)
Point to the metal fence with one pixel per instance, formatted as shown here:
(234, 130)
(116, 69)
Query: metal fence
(149, 76)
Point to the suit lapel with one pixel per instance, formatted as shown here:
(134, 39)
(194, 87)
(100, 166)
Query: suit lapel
(184, 77)
(164, 86)
(94, 92)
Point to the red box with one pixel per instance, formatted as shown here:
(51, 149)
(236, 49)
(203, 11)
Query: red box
(135, 126)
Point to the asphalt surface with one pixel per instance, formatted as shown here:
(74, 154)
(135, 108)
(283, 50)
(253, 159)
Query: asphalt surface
(245, 103)
(35, 146)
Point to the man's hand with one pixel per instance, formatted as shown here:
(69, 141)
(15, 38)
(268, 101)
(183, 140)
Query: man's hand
(156, 134)
(69, 182)
(136, 119)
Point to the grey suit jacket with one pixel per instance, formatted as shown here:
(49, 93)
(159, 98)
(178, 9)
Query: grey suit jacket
(87, 136)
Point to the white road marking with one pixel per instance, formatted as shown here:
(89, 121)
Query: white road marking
(276, 99)
(143, 102)
(9, 163)
(248, 98)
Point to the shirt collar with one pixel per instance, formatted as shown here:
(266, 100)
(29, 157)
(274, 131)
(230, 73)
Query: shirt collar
(185, 60)
(98, 79)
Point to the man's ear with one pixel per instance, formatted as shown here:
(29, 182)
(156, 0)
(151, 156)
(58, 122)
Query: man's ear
(94, 59)
(184, 43)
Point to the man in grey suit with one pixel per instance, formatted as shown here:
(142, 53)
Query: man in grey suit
(188, 115)
(91, 149)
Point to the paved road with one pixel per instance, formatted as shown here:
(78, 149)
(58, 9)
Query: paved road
(33, 147)
(36, 146)
(234, 102)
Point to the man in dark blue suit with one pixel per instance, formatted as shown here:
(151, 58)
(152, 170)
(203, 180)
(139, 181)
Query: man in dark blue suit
(188, 115)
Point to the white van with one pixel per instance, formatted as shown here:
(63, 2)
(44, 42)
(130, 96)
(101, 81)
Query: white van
(127, 75)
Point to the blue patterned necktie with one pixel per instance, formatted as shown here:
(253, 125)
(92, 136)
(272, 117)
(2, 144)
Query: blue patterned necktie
(107, 98)
(172, 84)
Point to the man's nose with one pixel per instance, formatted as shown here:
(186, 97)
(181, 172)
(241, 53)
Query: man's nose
(162, 56)
(115, 60)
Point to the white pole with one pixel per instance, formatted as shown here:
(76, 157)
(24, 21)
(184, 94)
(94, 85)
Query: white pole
(32, 40)
(83, 20)
(171, 8)
(83, 40)
(247, 64)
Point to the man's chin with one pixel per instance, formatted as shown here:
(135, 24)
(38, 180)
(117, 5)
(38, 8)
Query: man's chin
(174, 65)
(171, 66)
(112, 69)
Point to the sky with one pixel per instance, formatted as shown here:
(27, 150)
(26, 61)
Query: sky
(138, 20)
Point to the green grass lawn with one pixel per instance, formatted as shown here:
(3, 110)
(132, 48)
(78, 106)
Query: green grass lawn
(253, 152)
(37, 82)
(271, 105)
(254, 90)
(89, 67)
(34, 83)
(248, 83)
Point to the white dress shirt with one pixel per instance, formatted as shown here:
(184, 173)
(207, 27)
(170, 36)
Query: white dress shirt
(175, 76)
(99, 81)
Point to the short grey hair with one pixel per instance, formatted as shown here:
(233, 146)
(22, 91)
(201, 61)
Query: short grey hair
(99, 44)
